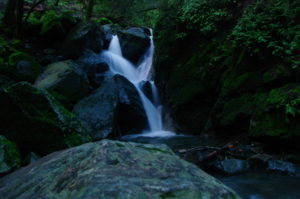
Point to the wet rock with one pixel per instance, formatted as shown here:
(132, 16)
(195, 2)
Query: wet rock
(65, 78)
(134, 43)
(113, 108)
(112, 169)
(86, 35)
(232, 166)
(95, 67)
(279, 166)
(259, 161)
(10, 157)
(31, 158)
(37, 122)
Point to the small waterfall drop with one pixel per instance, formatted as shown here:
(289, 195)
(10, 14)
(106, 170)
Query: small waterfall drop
(119, 65)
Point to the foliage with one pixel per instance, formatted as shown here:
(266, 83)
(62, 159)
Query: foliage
(269, 28)
(207, 16)
(49, 20)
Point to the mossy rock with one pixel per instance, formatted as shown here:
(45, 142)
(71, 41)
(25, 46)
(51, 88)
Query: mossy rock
(21, 66)
(66, 80)
(113, 170)
(10, 157)
(37, 122)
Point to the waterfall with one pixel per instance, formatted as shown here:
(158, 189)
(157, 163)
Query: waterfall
(119, 65)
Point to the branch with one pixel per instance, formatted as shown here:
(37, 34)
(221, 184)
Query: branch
(32, 9)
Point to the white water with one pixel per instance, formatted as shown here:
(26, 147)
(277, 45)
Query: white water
(119, 65)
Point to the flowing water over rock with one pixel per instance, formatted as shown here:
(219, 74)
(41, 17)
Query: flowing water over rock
(136, 75)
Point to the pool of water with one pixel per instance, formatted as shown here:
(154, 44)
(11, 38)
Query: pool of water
(259, 185)
(252, 185)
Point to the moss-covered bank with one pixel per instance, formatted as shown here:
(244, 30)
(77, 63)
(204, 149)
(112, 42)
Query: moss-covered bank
(231, 67)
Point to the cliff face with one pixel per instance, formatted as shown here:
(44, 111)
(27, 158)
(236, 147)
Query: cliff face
(231, 67)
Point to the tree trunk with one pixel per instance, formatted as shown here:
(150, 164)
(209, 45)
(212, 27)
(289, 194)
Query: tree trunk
(56, 2)
(89, 9)
(9, 13)
(19, 17)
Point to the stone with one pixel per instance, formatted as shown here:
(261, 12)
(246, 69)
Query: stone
(37, 122)
(65, 78)
(85, 35)
(110, 170)
(134, 43)
(282, 167)
(259, 161)
(114, 108)
(233, 166)
(95, 67)
(10, 158)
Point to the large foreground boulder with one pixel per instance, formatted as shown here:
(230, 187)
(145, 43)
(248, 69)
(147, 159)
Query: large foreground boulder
(114, 108)
(111, 170)
(37, 122)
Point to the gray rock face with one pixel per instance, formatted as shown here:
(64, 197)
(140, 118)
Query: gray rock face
(111, 108)
(134, 43)
(112, 170)
(65, 78)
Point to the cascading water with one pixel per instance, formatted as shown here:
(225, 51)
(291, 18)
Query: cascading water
(119, 65)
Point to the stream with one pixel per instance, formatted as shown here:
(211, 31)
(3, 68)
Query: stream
(250, 185)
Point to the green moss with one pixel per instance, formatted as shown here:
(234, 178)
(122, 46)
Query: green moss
(50, 20)
(13, 69)
(9, 155)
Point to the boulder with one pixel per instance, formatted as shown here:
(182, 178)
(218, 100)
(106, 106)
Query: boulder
(85, 35)
(95, 67)
(66, 78)
(113, 169)
(37, 122)
(134, 43)
(115, 107)
(282, 167)
(10, 157)
(22, 67)
(232, 166)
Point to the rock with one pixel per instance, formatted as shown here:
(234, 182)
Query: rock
(5, 81)
(85, 35)
(65, 78)
(55, 26)
(232, 166)
(282, 167)
(259, 161)
(10, 158)
(37, 122)
(113, 169)
(95, 67)
(31, 158)
(21, 67)
(134, 43)
(146, 87)
(115, 105)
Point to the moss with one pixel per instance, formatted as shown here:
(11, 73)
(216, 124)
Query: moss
(50, 20)
(9, 156)
(28, 72)
(41, 119)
